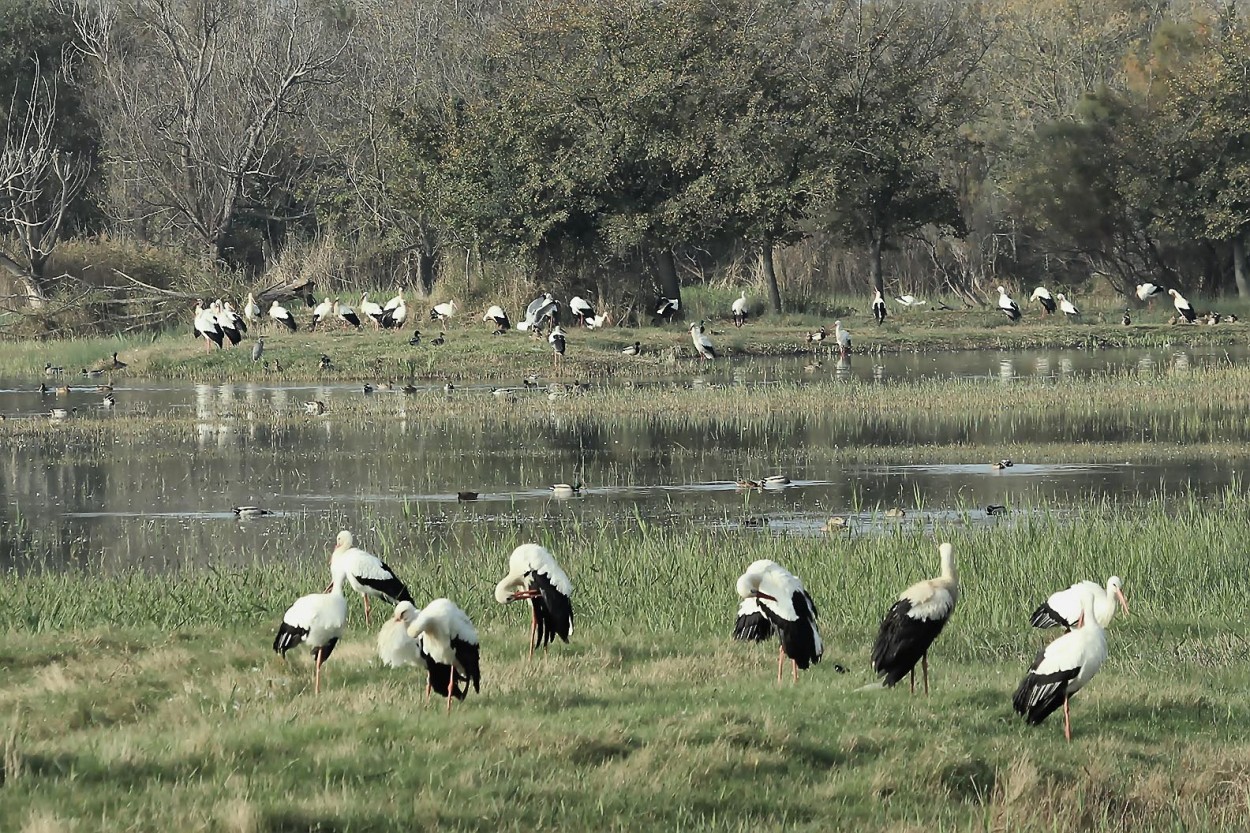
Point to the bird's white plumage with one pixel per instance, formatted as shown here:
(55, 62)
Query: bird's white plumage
(396, 648)
(373, 311)
(909, 301)
(740, 304)
(1083, 650)
(1066, 604)
(1006, 304)
(702, 343)
(396, 300)
(580, 307)
(445, 310)
(1066, 306)
(767, 578)
(527, 558)
(495, 314)
(322, 311)
(442, 622)
(354, 564)
(842, 337)
(251, 309)
(935, 598)
(1146, 291)
(322, 615)
(1040, 294)
(1182, 305)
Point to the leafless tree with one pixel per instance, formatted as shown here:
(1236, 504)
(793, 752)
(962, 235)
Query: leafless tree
(39, 181)
(198, 101)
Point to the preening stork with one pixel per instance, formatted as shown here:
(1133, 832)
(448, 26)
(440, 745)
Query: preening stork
(1007, 306)
(739, 309)
(1063, 668)
(1147, 291)
(444, 311)
(367, 574)
(535, 311)
(913, 622)
(321, 312)
(283, 316)
(773, 598)
(495, 315)
(1183, 306)
(702, 343)
(251, 310)
(226, 321)
(239, 322)
(346, 314)
(843, 338)
(205, 326)
(1042, 296)
(396, 648)
(315, 620)
(1063, 608)
(371, 310)
(450, 640)
(878, 307)
(1067, 307)
(395, 313)
(534, 575)
(581, 309)
(666, 309)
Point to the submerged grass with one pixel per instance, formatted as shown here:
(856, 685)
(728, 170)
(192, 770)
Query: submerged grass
(151, 701)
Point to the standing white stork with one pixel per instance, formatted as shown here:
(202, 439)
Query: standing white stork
(321, 312)
(240, 323)
(913, 622)
(366, 573)
(843, 338)
(533, 574)
(1067, 307)
(740, 309)
(283, 316)
(1007, 306)
(1042, 296)
(251, 310)
(317, 621)
(1063, 608)
(774, 598)
(702, 343)
(495, 315)
(1063, 668)
(226, 321)
(878, 307)
(444, 311)
(346, 314)
(371, 309)
(450, 640)
(557, 341)
(1183, 306)
(205, 325)
(1147, 291)
(581, 309)
(394, 317)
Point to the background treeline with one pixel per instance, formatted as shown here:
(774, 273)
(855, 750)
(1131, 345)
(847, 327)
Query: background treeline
(623, 148)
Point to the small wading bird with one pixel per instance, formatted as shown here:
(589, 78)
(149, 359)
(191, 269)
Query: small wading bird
(1007, 306)
(315, 620)
(450, 640)
(367, 574)
(702, 343)
(739, 309)
(1063, 668)
(1042, 296)
(1183, 306)
(283, 316)
(534, 575)
(1063, 608)
(913, 622)
(1067, 307)
(878, 307)
(773, 598)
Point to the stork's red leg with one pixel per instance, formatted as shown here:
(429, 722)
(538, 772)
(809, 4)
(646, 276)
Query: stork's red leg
(781, 659)
(317, 676)
(1067, 720)
(366, 610)
(924, 665)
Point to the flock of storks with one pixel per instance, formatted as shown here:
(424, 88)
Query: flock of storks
(441, 638)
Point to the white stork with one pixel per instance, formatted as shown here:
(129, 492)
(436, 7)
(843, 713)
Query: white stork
(1063, 608)
(450, 640)
(740, 309)
(396, 648)
(317, 621)
(1042, 296)
(371, 310)
(1063, 668)
(1007, 306)
(251, 310)
(346, 314)
(495, 315)
(909, 301)
(702, 343)
(444, 311)
(774, 598)
(367, 574)
(205, 325)
(557, 341)
(536, 310)
(321, 312)
(596, 322)
(667, 309)
(533, 574)
(913, 622)
(878, 307)
(1183, 306)
(1067, 307)
(843, 338)
(1146, 291)
(239, 322)
(283, 316)
(226, 322)
(581, 309)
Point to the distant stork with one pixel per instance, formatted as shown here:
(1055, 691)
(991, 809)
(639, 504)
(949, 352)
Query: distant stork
(280, 314)
(702, 343)
(1183, 306)
(1147, 291)
(666, 309)
(878, 307)
(495, 315)
(444, 311)
(1063, 608)
(557, 341)
(372, 311)
(581, 309)
(450, 640)
(843, 338)
(534, 575)
(317, 621)
(541, 307)
(320, 313)
(205, 325)
(773, 598)
(1007, 306)
(1042, 296)
(366, 573)
(1063, 668)
(251, 310)
(913, 622)
(739, 309)
(1067, 307)
(346, 314)
(909, 301)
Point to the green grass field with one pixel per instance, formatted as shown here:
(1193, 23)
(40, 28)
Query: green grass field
(153, 702)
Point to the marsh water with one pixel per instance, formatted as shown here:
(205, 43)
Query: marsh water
(167, 501)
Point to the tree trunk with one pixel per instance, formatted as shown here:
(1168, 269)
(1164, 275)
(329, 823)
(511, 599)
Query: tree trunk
(1239, 268)
(875, 257)
(31, 285)
(425, 270)
(770, 275)
(669, 284)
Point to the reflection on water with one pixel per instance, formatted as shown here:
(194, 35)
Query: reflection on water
(161, 502)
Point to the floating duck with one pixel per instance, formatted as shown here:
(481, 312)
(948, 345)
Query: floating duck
(250, 512)
(748, 484)
(835, 524)
(776, 481)
(896, 512)
(1003, 464)
(564, 490)
(996, 509)
(315, 407)
(466, 496)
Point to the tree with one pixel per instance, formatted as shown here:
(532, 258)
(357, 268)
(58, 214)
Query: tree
(222, 83)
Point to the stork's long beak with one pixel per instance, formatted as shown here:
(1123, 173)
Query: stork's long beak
(1123, 601)
(328, 587)
(1080, 621)
(760, 595)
